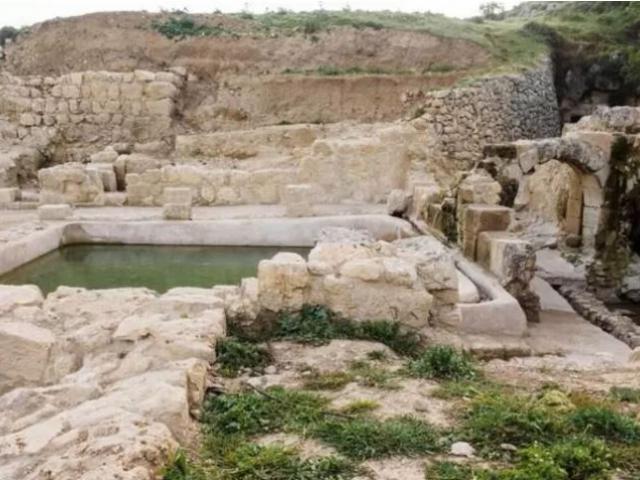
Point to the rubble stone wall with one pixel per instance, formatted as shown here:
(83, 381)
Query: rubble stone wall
(493, 109)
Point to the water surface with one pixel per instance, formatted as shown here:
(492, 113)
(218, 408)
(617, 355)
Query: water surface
(157, 267)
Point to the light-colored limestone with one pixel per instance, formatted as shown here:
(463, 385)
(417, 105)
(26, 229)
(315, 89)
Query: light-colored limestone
(283, 282)
(176, 211)
(177, 195)
(9, 195)
(55, 212)
(479, 218)
(24, 353)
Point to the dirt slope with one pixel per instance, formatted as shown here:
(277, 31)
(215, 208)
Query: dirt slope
(126, 41)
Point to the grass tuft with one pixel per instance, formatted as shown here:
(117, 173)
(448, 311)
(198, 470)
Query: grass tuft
(233, 355)
(364, 438)
(442, 362)
(318, 325)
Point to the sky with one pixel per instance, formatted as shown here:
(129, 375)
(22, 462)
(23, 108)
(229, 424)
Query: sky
(26, 12)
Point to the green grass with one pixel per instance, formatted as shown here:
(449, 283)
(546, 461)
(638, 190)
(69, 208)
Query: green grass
(442, 362)
(233, 355)
(605, 423)
(318, 325)
(327, 381)
(626, 394)
(181, 25)
(360, 406)
(449, 471)
(370, 375)
(364, 438)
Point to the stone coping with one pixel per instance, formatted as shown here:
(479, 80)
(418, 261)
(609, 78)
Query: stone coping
(267, 232)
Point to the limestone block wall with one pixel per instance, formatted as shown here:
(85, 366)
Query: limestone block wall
(494, 109)
(209, 186)
(102, 107)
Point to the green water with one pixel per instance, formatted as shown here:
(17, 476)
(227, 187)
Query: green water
(157, 267)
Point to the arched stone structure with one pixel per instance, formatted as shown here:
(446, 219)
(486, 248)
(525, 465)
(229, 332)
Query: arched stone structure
(580, 210)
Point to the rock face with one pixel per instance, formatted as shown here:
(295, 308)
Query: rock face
(108, 379)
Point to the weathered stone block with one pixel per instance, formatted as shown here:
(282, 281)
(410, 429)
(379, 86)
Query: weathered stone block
(179, 195)
(481, 218)
(24, 352)
(283, 282)
(9, 195)
(397, 202)
(55, 212)
(176, 211)
(297, 199)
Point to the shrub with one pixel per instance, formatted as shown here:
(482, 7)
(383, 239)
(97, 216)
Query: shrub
(363, 438)
(605, 423)
(442, 362)
(233, 355)
(181, 25)
(573, 459)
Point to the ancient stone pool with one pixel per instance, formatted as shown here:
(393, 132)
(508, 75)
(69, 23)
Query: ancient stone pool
(159, 268)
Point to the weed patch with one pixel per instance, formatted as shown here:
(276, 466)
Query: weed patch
(327, 381)
(606, 424)
(442, 362)
(318, 325)
(369, 375)
(626, 394)
(363, 438)
(233, 355)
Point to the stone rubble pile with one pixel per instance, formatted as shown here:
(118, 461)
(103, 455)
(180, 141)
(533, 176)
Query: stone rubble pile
(101, 383)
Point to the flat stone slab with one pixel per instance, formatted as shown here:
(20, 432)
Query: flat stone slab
(55, 212)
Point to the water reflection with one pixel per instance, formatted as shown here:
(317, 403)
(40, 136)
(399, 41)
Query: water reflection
(157, 267)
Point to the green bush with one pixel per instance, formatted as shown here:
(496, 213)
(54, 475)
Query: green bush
(181, 25)
(573, 459)
(605, 423)
(233, 355)
(363, 438)
(442, 362)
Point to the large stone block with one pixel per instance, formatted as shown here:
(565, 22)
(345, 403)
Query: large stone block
(478, 218)
(298, 200)
(283, 282)
(24, 353)
(178, 195)
(8, 195)
(507, 256)
(176, 211)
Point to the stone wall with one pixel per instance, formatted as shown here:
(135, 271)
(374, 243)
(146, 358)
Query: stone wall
(493, 109)
(90, 107)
